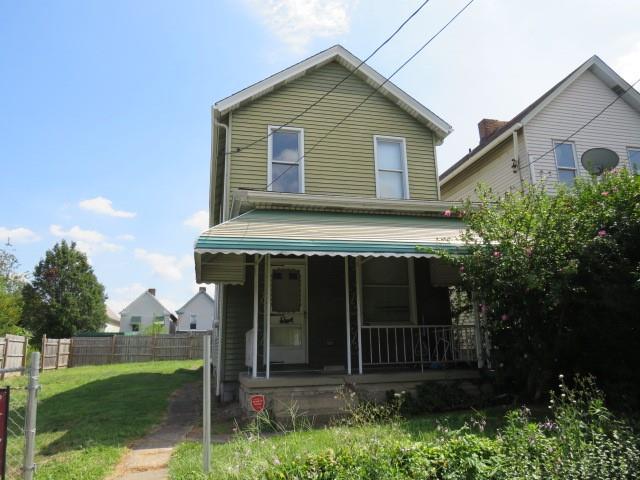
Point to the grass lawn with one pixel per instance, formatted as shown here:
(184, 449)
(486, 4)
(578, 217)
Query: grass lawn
(247, 459)
(87, 415)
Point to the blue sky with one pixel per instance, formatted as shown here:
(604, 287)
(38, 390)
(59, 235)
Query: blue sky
(104, 110)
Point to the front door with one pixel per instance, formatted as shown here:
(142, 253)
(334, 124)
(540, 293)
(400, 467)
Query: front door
(288, 313)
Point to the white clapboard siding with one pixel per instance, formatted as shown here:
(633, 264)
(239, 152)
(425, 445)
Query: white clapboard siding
(617, 128)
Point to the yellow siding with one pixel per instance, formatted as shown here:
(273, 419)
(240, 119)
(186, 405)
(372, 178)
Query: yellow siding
(493, 169)
(343, 163)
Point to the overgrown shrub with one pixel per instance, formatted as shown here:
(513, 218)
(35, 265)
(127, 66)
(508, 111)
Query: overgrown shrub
(580, 440)
(433, 397)
(558, 282)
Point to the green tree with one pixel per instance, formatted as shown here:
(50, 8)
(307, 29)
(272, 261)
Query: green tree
(64, 296)
(11, 283)
(558, 280)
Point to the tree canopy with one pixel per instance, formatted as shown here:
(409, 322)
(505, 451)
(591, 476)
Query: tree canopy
(558, 282)
(64, 296)
(11, 283)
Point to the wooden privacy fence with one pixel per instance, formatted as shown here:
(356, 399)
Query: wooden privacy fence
(135, 348)
(13, 352)
(54, 353)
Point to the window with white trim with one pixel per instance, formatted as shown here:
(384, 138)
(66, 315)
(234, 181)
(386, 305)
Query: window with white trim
(286, 160)
(565, 153)
(194, 322)
(634, 159)
(391, 167)
(388, 291)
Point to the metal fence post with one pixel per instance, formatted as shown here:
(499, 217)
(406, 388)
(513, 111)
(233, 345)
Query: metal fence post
(30, 418)
(206, 404)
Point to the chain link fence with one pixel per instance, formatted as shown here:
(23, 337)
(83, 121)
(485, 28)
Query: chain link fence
(21, 386)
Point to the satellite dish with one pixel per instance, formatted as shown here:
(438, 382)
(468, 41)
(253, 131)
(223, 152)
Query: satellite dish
(597, 160)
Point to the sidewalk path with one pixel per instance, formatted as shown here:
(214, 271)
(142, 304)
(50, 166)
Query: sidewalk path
(149, 457)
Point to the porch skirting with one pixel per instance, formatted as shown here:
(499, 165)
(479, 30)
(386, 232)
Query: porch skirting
(317, 395)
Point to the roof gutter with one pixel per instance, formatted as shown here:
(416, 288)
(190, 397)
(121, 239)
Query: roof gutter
(489, 146)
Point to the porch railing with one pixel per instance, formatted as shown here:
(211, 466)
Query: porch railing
(418, 344)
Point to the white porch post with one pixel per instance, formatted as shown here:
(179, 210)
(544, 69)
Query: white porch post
(347, 312)
(254, 340)
(267, 312)
(359, 309)
(476, 317)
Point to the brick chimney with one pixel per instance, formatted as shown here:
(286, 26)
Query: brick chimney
(152, 291)
(487, 126)
(202, 289)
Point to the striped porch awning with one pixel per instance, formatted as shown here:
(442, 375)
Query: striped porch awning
(219, 251)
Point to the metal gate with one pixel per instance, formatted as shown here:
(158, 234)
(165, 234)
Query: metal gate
(18, 421)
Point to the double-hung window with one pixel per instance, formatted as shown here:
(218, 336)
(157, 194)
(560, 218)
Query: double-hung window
(194, 322)
(391, 167)
(286, 160)
(634, 159)
(565, 153)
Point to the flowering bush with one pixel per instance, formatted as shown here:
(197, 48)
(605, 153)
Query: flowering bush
(558, 279)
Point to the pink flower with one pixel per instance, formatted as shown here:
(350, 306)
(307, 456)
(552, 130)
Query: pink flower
(447, 213)
(605, 194)
(602, 233)
(528, 251)
(461, 268)
(483, 308)
(504, 317)
(497, 254)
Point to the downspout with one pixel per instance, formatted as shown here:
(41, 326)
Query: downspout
(225, 183)
(516, 156)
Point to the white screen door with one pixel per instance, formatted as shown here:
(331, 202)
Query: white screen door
(288, 314)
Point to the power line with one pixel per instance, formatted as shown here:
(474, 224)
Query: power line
(404, 64)
(620, 95)
(327, 93)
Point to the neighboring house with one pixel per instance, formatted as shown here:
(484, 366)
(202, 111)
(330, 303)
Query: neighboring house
(313, 246)
(529, 148)
(113, 322)
(198, 314)
(146, 311)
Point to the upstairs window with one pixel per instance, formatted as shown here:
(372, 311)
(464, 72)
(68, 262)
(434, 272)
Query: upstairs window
(391, 167)
(634, 159)
(194, 322)
(286, 163)
(565, 162)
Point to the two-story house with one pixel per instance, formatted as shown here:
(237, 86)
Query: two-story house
(317, 213)
(532, 146)
(145, 312)
(198, 314)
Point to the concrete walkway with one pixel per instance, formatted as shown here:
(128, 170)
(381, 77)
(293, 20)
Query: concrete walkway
(149, 457)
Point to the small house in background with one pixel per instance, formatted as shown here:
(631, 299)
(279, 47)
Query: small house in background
(144, 312)
(112, 325)
(198, 314)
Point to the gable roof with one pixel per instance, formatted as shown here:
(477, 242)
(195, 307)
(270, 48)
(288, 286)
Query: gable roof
(350, 62)
(153, 297)
(595, 64)
(184, 307)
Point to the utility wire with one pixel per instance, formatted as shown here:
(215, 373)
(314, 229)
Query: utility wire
(404, 64)
(620, 95)
(332, 89)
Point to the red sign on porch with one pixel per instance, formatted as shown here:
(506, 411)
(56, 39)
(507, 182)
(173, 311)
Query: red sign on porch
(258, 402)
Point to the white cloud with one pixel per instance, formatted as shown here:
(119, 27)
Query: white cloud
(123, 296)
(628, 64)
(199, 220)
(298, 22)
(165, 266)
(88, 241)
(127, 237)
(18, 235)
(103, 206)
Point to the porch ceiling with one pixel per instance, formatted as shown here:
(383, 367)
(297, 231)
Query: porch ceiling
(282, 232)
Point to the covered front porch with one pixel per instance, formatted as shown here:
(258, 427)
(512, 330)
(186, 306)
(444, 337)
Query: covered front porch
(303, 316)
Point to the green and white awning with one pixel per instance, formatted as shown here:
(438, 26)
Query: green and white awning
(282, 232)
